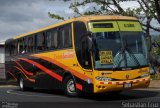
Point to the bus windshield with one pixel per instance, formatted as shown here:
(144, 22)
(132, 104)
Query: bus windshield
(119, 50)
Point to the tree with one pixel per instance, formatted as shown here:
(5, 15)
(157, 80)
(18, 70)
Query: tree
(146, 12)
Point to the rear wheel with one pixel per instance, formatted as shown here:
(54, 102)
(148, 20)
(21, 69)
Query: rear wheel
(22, 85)
(70, 87)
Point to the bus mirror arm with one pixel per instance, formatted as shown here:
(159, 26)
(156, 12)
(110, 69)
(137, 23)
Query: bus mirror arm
(90, 44)
(89, 39)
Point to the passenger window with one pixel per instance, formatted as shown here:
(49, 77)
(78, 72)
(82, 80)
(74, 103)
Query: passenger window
(68, 36)
(30, 44)
(51, 39)
(65, 36)
(13, 48)
(55, 40)
(20, 45)
(40, 41)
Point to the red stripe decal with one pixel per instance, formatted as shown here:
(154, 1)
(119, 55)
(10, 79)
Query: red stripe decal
(101, 82)
(79, 86)
(76, 73)
(117, 83)
(131, 81)
(32, 80)
(124, 82)
(109, 82)
(12, 75)
(53, 74)
(28, 73)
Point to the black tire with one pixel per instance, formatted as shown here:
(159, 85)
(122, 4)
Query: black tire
(22, 85)
(70, 87)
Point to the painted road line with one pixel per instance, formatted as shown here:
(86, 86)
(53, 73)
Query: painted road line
(2, 86)
(12, 92)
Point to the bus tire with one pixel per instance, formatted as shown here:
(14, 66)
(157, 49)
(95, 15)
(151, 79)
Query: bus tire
(70, 87)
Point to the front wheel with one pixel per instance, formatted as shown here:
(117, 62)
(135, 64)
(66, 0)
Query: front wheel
(70, 87)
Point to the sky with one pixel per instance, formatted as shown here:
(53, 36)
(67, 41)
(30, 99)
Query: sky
(21, 16)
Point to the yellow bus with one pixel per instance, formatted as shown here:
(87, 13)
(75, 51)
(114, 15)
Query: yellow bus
(95, 54)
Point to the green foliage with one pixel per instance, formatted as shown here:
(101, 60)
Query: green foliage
(55, 16)
(157, 50)
(146, 12)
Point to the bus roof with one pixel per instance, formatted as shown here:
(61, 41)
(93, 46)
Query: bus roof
(82, 18)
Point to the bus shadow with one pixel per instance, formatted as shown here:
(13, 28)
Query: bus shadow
(125, 95)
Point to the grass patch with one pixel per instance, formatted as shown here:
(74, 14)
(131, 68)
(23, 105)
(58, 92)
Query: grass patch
(155, 76)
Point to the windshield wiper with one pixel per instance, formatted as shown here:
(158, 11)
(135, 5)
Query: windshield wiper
(122, 54)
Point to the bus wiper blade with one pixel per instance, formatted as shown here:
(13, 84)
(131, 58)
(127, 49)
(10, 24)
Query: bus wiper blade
(118, 62)
(134, 57)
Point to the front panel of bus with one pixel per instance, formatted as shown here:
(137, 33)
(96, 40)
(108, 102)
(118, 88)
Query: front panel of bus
(118, 57)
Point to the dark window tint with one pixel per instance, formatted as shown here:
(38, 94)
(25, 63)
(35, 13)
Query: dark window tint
(65, 36)
(68, 36)
(30, 44)
(14, 48)
(40, 41)
(51, 39)
(80, 41)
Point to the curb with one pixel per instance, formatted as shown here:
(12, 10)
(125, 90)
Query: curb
(3, 82)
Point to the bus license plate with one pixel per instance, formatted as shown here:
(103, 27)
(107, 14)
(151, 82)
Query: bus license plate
(127, 85)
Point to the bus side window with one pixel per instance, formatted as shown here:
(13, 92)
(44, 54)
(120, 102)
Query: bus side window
(52, 39)
(49, 40)
(55, 39)
(21, 41)
(65, 37)
(61, 37)
(25, 50)
(40, 41)
(68, 36)
(30, 44)
(13, 48)
(16, 47)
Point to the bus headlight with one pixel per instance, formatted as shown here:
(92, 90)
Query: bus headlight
(144, 75)
(103, 79)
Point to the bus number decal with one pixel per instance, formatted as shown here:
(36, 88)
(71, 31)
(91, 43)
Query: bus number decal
(68, 55)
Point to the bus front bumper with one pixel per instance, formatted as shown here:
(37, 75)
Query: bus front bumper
(107, 86)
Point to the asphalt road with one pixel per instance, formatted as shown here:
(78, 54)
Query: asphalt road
(12, 97)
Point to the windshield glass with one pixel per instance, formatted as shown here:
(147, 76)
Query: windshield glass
(119, 50)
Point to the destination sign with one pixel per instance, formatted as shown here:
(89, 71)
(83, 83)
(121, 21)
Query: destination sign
(106, 57)
(129, 25)
(103, 25)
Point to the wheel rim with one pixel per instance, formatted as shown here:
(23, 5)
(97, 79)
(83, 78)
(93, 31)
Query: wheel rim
(21, 83)
(71, 86)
